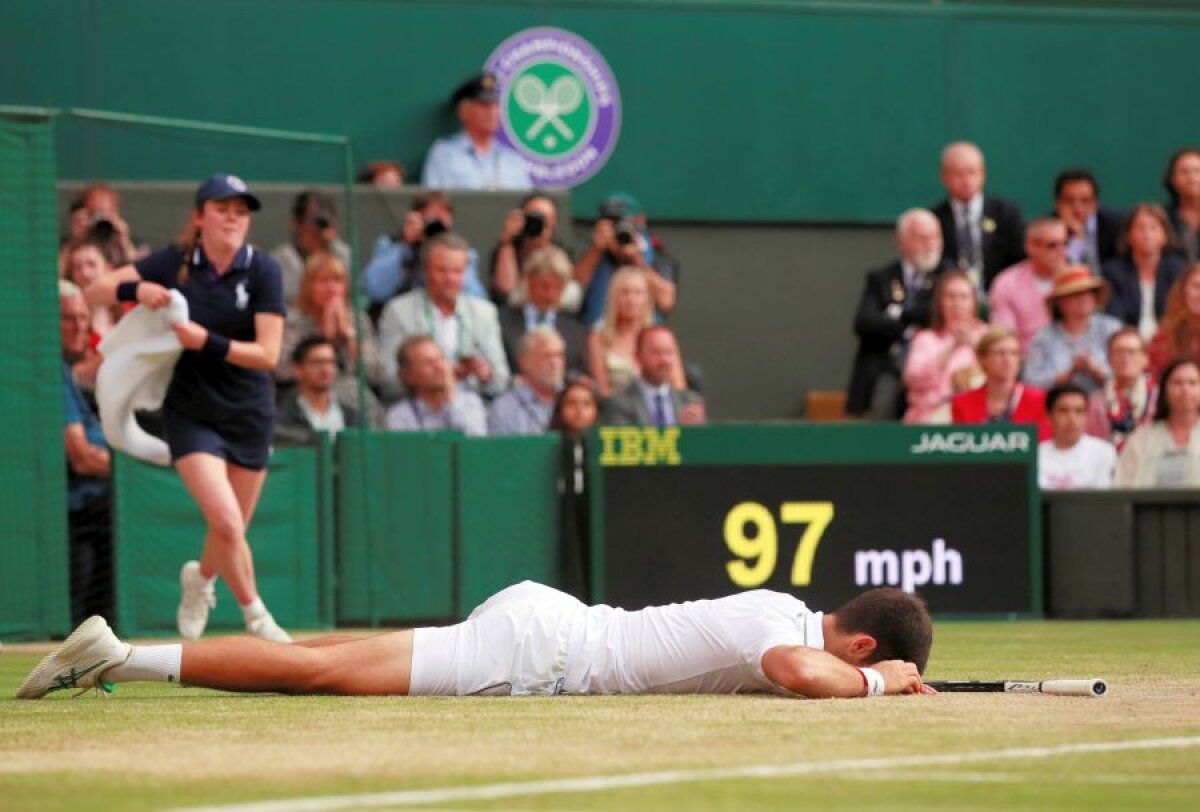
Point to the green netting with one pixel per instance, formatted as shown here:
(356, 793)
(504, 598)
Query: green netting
(33, 546)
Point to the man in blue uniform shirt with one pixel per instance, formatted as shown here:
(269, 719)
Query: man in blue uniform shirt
(474, 159)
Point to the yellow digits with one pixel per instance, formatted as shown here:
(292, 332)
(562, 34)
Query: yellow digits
(761, 547)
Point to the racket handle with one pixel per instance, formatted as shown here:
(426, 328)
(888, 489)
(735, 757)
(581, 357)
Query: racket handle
(1075, 687)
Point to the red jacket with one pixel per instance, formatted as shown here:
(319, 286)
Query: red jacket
(971, 407)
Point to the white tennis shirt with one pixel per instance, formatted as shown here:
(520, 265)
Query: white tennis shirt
(709, 646)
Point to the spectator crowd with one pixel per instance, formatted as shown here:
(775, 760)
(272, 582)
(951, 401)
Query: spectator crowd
(1084, 324)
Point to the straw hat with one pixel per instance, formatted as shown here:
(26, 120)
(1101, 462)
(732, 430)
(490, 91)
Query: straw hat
(1072, 279)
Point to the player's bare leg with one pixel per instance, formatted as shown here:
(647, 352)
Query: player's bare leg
(93, 656)
(379, 665)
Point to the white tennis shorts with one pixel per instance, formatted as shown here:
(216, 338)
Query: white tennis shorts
(514, 643)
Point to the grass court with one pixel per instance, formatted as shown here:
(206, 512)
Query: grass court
(156, 747)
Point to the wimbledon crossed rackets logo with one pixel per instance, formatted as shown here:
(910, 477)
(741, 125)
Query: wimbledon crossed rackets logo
(559, 104)
(549, 104)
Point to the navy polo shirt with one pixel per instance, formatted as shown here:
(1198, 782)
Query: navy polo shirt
(204, 388)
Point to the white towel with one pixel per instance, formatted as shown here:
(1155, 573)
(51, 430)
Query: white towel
(139, 357)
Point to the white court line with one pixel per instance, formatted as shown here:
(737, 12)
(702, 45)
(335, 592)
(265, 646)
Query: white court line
(1020, 778)
(601, 783)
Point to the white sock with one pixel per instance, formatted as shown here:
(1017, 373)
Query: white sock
(149, 663)
(253, 610)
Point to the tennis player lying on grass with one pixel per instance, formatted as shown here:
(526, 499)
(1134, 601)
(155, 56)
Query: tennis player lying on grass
(531, 639)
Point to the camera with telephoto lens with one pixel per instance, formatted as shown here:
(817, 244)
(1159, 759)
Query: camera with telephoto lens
(625, 232)
(101, 227)
(433, 227)
(535, 224)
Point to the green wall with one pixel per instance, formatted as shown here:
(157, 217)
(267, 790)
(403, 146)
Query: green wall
(773, 110)
(34, 598)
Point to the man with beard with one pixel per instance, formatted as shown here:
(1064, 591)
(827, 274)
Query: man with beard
(895, 303)
(526, 407)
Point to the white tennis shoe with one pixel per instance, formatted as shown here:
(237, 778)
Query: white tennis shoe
(264, 626)
(79, 662)
(199, 596)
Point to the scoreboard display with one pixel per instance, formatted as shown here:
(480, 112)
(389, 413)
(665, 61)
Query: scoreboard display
(823, 512)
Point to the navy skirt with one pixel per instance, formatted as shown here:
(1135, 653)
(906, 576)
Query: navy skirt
(244, 441)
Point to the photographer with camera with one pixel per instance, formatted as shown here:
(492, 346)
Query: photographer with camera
(528, 228)
(396, 265)
(621, 238)
(314, 230)
(95, 215)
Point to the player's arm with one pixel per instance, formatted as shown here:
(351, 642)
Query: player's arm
(817, 674)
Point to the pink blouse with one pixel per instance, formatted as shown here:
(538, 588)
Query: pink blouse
(929, 385)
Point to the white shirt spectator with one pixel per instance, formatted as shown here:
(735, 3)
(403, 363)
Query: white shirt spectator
(1087, 465)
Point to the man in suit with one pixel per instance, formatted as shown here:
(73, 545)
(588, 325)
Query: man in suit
(466, 328)
(982, 235)
(895, 303)
(547, 272)
(1092, 229)
(312, 406)
(650, 400)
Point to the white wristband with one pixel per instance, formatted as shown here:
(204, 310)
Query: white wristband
(875, 684)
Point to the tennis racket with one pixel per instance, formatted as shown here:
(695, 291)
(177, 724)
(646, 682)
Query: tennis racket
(1092, 686)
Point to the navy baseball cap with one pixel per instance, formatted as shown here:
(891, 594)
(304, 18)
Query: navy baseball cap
(481, 87)
(223, 187)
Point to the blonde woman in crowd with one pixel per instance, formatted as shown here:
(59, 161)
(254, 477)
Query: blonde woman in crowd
(1002, 398)
(323, 308)
(612, 345)
(941, 359)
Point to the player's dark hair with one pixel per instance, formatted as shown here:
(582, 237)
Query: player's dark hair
(898, 621)
(1058, 391)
